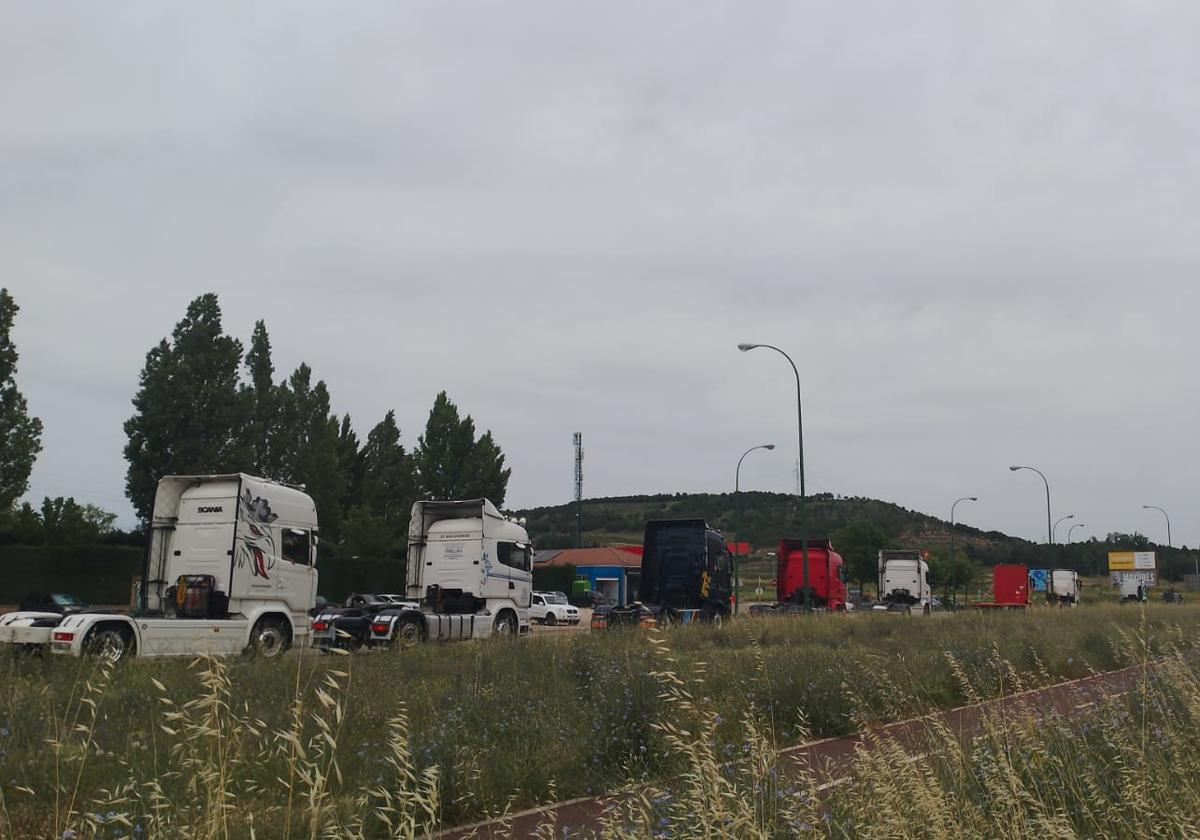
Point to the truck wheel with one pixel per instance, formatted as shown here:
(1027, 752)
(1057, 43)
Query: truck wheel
(110, 643)
(550, 620)
(505, 626)
(270, 637)
(408, 632)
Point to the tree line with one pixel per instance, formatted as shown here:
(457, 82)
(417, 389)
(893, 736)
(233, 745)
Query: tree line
(205, 405)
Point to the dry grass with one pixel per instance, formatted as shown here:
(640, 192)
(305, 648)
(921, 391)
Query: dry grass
(394, 745)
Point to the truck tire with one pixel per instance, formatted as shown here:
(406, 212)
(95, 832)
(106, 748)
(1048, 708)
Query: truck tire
(110, 642)
(270, 638)
(505, 626)
(409, 631)
(550, 620)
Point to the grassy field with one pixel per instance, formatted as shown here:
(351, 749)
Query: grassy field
(442, 734)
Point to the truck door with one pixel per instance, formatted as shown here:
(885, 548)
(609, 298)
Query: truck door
(517, 564)
(294, 574)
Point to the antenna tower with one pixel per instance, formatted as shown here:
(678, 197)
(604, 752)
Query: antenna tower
(579, 490)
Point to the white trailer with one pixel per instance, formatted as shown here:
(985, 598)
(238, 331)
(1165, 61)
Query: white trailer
(1062, 587)
(231, 565)
(1132, 589)
(904, 580)
(470, 570)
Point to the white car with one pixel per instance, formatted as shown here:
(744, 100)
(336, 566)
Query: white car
(552, 608)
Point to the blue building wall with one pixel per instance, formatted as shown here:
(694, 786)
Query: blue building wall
(597, 574)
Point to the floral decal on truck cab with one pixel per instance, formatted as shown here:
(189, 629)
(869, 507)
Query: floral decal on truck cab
(258, 543)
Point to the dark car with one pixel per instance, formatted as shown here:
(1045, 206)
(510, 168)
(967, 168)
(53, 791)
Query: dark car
(1172, 597)
(348, 627)
(55, 602)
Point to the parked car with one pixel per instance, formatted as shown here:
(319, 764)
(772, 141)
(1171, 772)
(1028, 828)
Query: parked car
(551, 608)
(348, 627)
(31, 626)
(1172, 597)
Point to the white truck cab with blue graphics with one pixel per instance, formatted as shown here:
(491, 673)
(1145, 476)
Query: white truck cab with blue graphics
(470, 569)
(231, 565)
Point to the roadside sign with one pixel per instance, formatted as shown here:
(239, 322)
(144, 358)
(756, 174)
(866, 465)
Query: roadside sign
(1037, 577)
(1146, 578)
(1131, 561)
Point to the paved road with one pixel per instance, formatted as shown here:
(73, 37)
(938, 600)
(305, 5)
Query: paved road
(831, 759)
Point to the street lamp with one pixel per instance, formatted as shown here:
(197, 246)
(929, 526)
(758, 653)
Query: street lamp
(1049, 527)
(1071, 530)
(737, 559)
(952, 534)
(1054, 530)
(737, 480)
(1164, 513)
(800, 439)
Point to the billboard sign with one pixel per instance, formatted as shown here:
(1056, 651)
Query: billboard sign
(1132, 561)
(1146, 578)
(1037, 577)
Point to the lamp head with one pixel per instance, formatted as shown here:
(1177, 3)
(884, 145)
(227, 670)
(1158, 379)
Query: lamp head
(745, 347)
(973, 498)
(1145, 507)
(768, 446)
(1014, 469)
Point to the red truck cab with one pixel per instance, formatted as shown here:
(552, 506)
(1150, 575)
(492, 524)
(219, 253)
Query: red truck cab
(1010, 587)
(826, 578)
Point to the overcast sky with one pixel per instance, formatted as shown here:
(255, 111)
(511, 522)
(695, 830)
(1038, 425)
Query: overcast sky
(973, 225)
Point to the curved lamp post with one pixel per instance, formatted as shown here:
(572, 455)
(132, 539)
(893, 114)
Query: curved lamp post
(1168, 518)
(1049, 527)
(800, 439)
(737, 558)
(952, 534)
(737, 476)
(1054, 530)
(1071, 530)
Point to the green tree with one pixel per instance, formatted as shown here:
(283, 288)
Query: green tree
(66, 522)
(350, 462)
(452, 464)
(20, 434)
(859, 543)
(309, 446)
(262, 397)
(189, 414)
(21, 526)
(951, 572)
(388, 486)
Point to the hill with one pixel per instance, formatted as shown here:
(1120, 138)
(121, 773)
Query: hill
(763, 518)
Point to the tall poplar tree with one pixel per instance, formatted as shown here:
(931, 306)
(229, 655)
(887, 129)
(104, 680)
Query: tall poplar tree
(263, 404)
(20, 434)
(452, 464)
(309, 446)
(190, 415)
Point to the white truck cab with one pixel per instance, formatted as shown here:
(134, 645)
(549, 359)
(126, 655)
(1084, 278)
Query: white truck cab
(231, 565)
(904, 581)
(470, 569)
(1062, 587)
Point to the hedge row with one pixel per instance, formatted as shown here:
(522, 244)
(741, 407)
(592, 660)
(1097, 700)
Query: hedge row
(103, 574)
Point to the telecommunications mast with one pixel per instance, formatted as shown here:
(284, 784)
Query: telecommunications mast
(579, 490)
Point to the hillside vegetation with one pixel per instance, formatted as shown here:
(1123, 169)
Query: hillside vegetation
(763, 518)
